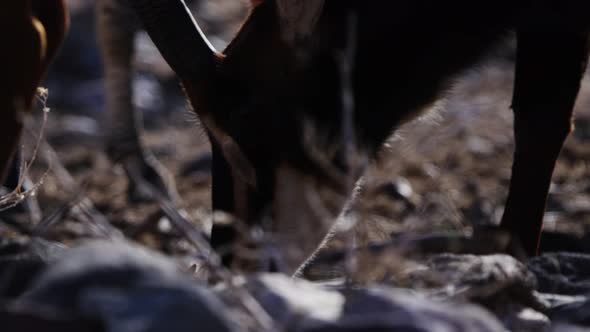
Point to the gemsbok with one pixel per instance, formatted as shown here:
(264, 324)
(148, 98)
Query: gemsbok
(308, 91)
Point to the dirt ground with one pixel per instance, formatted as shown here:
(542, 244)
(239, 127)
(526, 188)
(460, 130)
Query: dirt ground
(445, 171)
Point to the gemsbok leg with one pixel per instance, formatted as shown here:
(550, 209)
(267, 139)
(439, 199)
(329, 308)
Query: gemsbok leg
(549, 68)
(117, 26)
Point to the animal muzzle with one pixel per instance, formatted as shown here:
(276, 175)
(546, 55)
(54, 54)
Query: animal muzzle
(304, 210)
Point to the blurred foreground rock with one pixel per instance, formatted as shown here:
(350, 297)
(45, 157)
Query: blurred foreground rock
(301, 306)
(567, 277)
(21, 262)
(127, 288)
(118, 286)
(499, 282)
(562, 273)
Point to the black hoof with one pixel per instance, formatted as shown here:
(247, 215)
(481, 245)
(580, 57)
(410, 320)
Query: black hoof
(147, 171)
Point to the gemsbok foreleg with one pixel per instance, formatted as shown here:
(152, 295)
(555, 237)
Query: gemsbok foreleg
(117, 27)
(549, 68)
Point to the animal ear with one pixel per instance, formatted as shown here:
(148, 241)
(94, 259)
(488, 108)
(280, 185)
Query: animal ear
(298, 18)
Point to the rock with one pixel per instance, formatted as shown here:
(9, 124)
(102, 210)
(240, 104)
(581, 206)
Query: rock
(560, 327)
(127, 288)
(399, 189)
(22, 261)
(27, 318)
(567, 274)
(387, 309)
(518, 318)
(302, 306)
(572, 313)
(499, 282)
(562, 273)
(285, 298)
(471, 277)
(555, 300)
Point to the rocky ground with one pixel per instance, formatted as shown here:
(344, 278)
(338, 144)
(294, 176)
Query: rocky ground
(441, 177)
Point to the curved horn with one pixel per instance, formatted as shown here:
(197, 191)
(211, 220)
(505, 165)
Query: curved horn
(176, 34)
(54, 16)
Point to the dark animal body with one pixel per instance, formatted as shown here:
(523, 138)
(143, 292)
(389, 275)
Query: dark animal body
(267, 96)
(32, 32)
